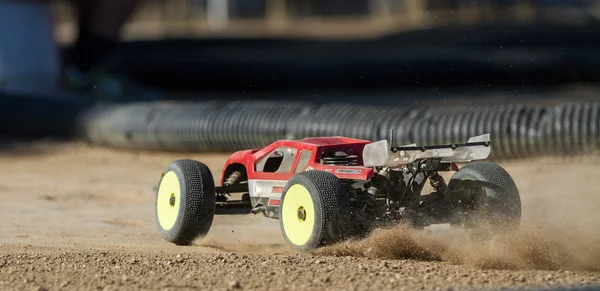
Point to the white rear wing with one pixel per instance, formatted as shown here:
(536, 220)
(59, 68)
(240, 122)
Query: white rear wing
(382, 154)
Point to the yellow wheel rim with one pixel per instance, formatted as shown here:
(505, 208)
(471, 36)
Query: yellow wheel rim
(167, 200)
(298, 214)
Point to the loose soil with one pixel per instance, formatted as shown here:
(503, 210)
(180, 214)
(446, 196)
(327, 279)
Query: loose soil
(76, 217)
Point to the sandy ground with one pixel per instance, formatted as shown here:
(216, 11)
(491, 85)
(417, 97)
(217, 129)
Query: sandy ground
(74, 217)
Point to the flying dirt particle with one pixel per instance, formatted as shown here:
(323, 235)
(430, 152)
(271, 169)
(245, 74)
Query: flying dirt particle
(235, 284)
(47, 197)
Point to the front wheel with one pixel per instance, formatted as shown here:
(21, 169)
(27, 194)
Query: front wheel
(485, 196)
(185, 201)
(314, 210)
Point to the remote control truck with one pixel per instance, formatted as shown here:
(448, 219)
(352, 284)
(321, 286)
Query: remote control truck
(327, 189)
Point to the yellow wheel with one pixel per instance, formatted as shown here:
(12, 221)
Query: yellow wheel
(298, 215)
(185, 201)
(314, 210)
(168, 200)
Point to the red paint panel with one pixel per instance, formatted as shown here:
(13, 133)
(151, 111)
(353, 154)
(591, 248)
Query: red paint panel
(270, 176)
(277, 189)
(454, 166)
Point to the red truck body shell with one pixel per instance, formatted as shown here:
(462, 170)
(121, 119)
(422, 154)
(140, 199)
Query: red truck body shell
(316, 145)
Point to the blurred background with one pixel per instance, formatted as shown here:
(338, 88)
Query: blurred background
(334, 47)
(413, 55)
(328, 19)
(235, 46)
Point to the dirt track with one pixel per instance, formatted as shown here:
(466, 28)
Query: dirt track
(81, 218)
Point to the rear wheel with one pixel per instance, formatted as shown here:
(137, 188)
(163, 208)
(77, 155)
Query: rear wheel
(185, 201)
(314, 210)
(485, 197)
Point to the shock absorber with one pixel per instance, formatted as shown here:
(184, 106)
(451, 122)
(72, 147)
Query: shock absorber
(438, 183)
(231, 179)
(380, 183)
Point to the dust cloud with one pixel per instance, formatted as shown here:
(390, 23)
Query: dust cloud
(528, 248)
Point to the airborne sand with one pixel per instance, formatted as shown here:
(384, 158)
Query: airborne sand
(75, 217)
